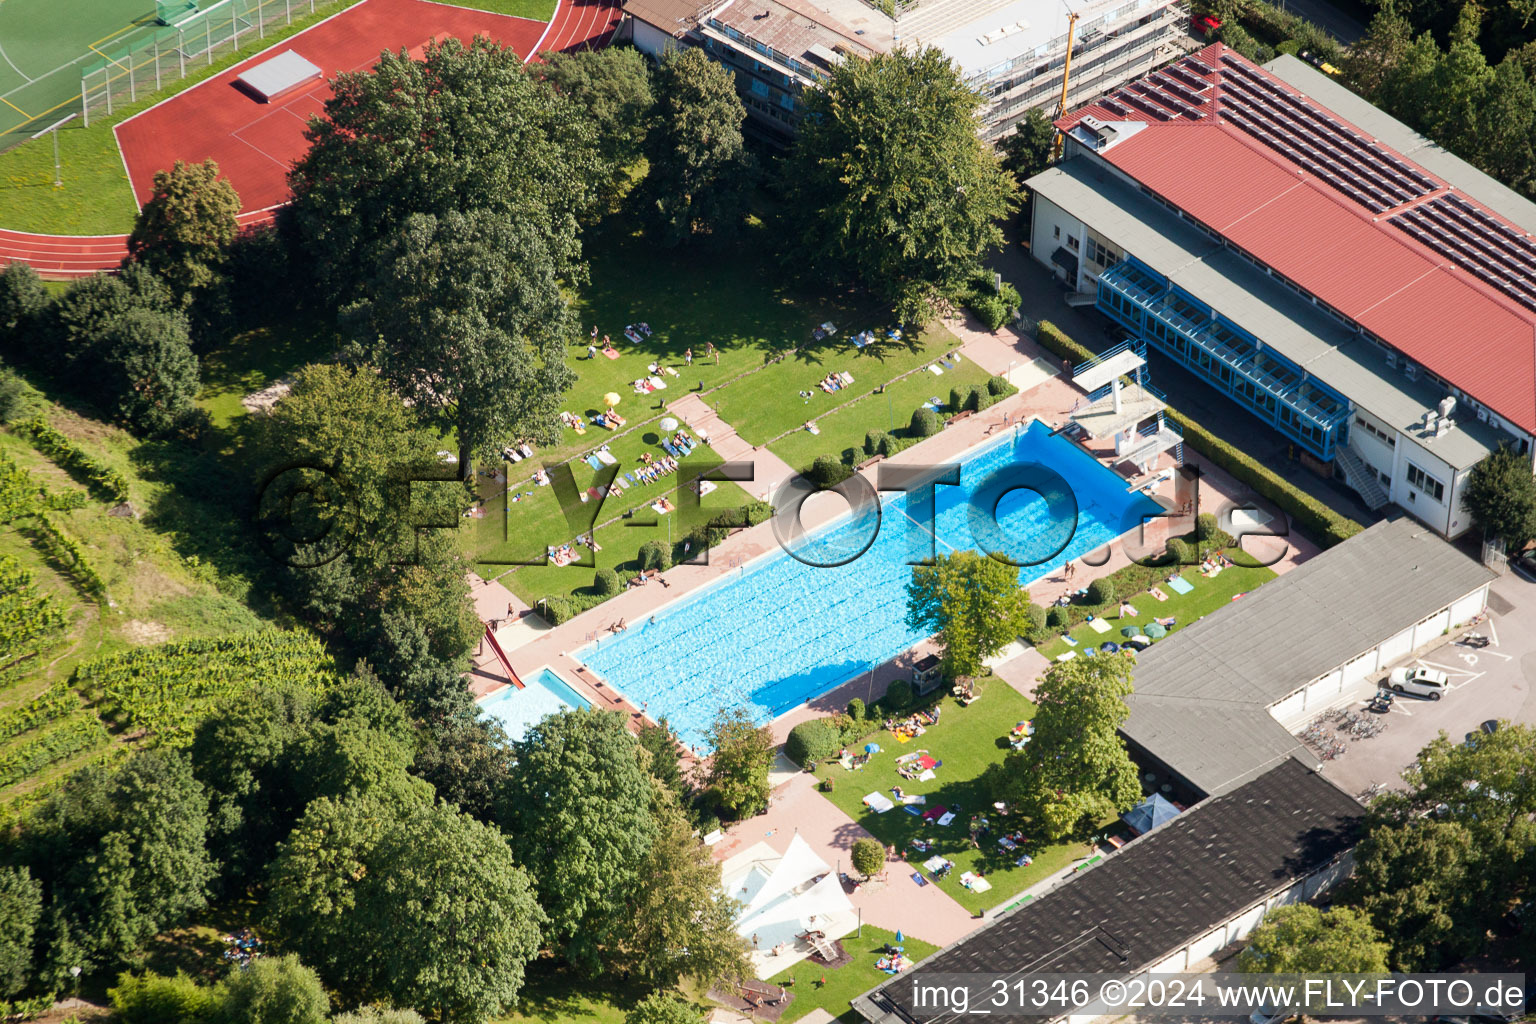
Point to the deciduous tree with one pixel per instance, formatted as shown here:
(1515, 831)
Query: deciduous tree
(700, 171)
(612, 88)
(660, 1008)
(21, 905)
(1419, 882)
(1301, 939)
(738, 768)
(1501, 496)
(465, 315)
(577, 810)
(465, 128)
(149, 372)
(1075, 773)
(973, 602)
(683, 923)
(392, 895)
(185, 227)
(1027, 151)
(888, 185)
(868, 856)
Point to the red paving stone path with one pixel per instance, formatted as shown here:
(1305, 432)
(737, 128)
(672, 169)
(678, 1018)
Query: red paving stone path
(255, 143)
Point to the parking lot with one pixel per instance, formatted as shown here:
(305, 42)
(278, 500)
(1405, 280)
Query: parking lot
(1493, 682)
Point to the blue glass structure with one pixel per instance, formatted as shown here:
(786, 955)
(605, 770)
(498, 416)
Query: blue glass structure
(1224, 355)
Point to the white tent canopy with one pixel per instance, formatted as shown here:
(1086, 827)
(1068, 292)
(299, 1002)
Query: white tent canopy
(786, 897)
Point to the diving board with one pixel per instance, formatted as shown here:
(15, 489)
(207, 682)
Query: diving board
(1148, 448)
(271, 78)
(1122, 408)
(1093, 375)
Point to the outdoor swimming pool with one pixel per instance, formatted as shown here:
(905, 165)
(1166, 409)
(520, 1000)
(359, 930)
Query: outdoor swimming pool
(518, 710)
(780, 632)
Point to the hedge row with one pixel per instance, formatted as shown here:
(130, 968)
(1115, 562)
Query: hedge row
(653, 555)
(1311, 516)
(925, 422)
(69, 554)
(110, 482)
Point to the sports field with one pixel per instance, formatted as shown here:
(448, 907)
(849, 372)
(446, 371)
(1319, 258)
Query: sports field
(45, 44)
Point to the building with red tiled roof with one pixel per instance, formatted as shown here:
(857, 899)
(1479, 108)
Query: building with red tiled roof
(1270, 232)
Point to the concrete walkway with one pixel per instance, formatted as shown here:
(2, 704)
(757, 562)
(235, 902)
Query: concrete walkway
(898, 903)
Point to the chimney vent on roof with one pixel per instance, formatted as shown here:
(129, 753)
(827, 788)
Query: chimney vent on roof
(1447, 405)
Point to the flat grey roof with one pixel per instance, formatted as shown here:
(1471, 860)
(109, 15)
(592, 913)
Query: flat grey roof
(1201, 695)
(1162, 891)
(1370, 118)
(1244, 294)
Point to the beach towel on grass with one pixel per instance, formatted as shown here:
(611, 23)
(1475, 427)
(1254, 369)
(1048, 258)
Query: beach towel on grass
(606, 458)
(924, 761)
(878, 802)
(948, 817)
(592, 460)
(1100, 626)
(1180, 585)
(611, 353)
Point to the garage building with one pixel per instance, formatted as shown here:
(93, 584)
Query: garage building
(1216, 702)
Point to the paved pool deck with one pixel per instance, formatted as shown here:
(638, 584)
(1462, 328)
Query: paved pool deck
(926, 912)
(1046, 395)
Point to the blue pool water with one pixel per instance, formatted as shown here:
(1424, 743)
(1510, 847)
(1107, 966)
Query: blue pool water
(518, 710)
(781, 632)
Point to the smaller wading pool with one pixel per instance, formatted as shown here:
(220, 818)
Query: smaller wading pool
(542, 695)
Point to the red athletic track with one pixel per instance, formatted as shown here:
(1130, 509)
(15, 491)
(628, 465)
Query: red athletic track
(254, 143)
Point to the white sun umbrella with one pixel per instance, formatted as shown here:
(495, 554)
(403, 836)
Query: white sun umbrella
(669, 423)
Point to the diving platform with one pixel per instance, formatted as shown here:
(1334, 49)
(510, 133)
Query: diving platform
(1094, 375)
(1122, 408)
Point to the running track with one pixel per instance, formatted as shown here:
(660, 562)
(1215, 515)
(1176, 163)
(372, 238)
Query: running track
(576, 25)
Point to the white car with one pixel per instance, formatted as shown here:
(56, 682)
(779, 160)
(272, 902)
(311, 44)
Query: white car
(1419, 681)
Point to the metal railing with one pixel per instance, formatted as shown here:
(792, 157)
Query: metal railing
(172, 53)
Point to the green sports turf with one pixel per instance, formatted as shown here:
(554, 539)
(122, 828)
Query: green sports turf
(44, 45)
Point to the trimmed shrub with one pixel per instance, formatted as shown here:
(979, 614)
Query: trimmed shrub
(898, 695)
(990, 310)
(1057, 617)
(998, 387)
(157, 999)
(926, 422)
(872, 442)
(975, 398)
(606, 582)
(868, 856)
(559, 609)
(13, 397)
(889, 445)
(957, 397)
(1010, 296)
(813, 740)
(856, 710)
(1179, 552)
(653, 554)
(827, 471)
(1101, 590)
(1037, 622)
(1206, 526)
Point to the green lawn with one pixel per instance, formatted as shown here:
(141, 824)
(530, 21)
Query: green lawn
(537, 10)
(842, 432)
(850, 980)
(1209, 594)
(560, 997)
(967, 740)
(770, 403)
(255, 358)
(537, 520)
